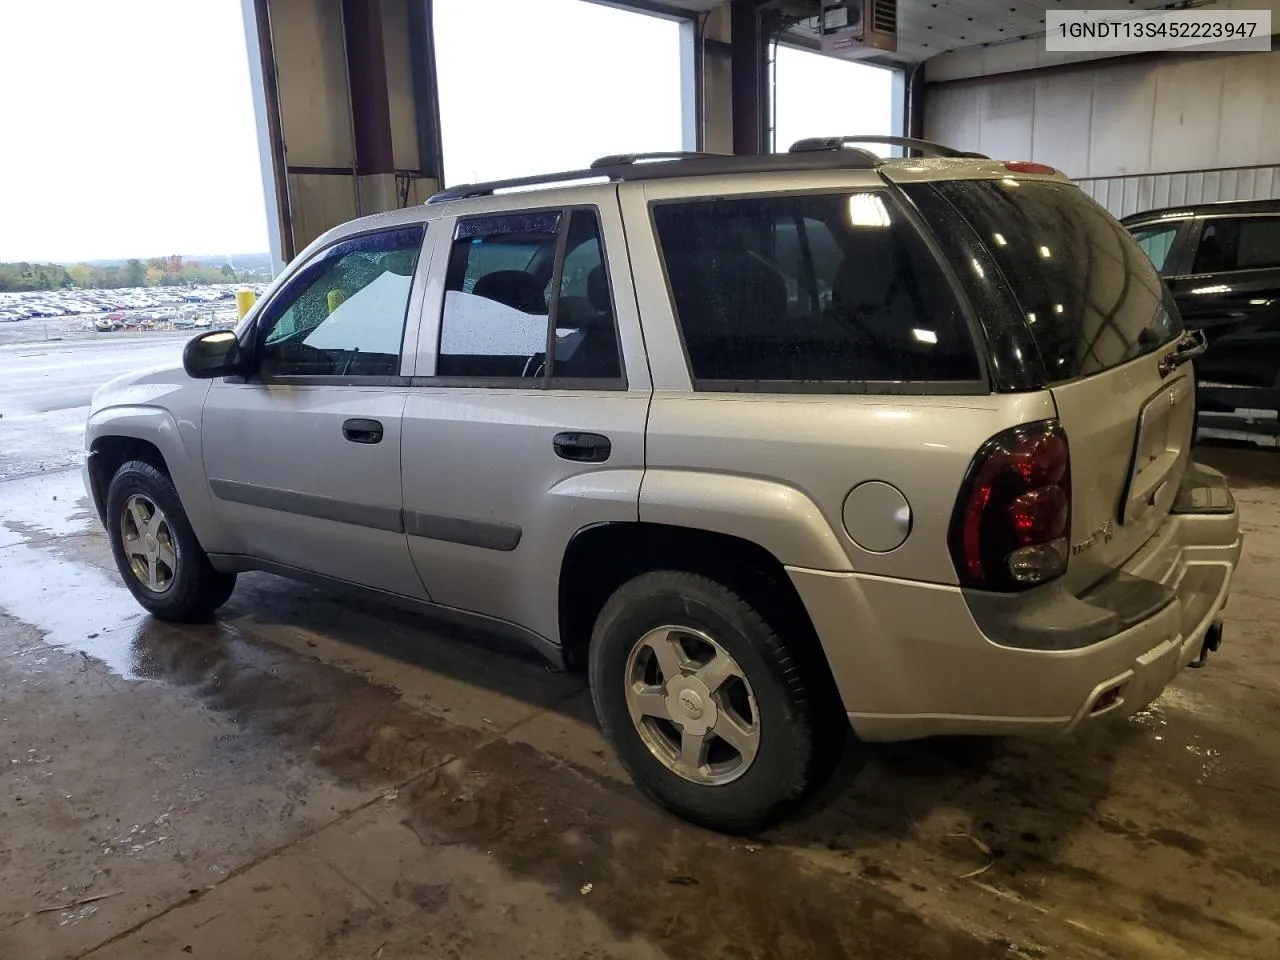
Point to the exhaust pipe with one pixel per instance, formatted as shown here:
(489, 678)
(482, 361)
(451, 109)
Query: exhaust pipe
(1212, 641)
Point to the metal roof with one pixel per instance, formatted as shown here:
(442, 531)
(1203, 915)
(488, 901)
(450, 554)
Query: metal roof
(1215, 209)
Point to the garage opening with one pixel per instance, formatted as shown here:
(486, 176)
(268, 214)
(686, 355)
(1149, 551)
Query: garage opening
(530, 88)
(815, 95)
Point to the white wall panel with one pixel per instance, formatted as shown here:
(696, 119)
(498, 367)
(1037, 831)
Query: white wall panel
(1003, 109)
(1187, 115)
(1155, 133)
(1124, 98)
(1063, 117)
(1122, 118)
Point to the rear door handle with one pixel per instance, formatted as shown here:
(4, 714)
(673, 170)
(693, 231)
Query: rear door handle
(583, 447)
(362, 431)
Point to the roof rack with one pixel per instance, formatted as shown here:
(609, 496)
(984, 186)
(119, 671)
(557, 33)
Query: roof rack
(926, 148)
(622, 159)
(665, 166)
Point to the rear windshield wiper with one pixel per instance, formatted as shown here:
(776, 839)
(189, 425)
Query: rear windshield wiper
(1190, 345)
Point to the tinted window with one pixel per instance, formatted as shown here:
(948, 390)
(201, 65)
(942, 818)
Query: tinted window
(1157, 242)
(832, 288)
(344, 313)
(1088, 293)
(501, 301)
(1238, 243)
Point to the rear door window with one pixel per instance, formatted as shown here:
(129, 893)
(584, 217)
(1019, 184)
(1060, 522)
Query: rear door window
(823, 290)
(1238, 243)
(1157, 242)
(518, 283)
(1090, 296)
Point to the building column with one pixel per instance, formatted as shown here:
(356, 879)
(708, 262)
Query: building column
(370, 108)
(749, 38)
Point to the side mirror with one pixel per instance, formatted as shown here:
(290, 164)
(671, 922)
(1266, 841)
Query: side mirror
(213, 354)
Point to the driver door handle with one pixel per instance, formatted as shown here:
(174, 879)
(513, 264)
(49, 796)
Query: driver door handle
(362, 431)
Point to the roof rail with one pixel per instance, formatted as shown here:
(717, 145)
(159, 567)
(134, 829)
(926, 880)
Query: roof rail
(926, 148)
(622, 159)
(631, 167)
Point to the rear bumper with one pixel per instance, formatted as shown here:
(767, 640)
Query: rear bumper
(910, 659)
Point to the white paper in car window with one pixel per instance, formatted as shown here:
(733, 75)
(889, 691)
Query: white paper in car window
(478, 326)
(370, 320)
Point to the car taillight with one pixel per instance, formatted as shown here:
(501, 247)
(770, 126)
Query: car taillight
(1009, 530)
(1028, 166)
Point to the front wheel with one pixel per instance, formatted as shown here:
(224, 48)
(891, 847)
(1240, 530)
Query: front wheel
(156, 550)
(706, 707)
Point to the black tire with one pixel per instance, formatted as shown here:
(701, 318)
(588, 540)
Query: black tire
(196, 589)
(793, 756)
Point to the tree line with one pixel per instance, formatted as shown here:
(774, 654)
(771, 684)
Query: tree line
(169, 271)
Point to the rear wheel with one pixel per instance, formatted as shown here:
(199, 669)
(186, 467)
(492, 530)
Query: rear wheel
(155, 549)
(706, 707)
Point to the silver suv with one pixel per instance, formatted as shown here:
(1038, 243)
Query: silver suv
(773, 446)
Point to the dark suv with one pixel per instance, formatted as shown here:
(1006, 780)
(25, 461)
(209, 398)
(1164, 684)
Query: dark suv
(1222, 264)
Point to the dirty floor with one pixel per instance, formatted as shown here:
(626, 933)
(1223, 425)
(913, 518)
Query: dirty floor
(314, 777)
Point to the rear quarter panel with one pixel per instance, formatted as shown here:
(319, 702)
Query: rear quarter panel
(776, 469)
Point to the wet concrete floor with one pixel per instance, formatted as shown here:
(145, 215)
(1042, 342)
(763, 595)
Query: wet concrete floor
(315, 777)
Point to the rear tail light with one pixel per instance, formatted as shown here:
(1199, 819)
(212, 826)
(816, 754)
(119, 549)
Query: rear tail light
(1028, 166)
(1009, 530)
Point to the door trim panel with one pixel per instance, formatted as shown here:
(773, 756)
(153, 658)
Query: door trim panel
(472, 533)
(309, 505)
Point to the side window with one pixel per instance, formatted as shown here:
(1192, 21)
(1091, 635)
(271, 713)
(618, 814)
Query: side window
(586, 334)
(502, 306)
(1238, 243)
(344, 314)
(830, 288)
(1156, 242)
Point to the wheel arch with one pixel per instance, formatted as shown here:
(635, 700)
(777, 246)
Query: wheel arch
(601, 557)
(115, 435)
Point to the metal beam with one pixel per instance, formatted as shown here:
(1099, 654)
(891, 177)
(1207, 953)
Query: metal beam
(426, 88)
(748, 39)
(367, 73)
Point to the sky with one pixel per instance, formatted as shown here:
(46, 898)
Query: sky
(128, 130)
(129, 127)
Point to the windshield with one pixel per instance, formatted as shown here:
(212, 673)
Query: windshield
(1089, 294)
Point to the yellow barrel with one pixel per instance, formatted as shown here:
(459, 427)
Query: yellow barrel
(244, 300)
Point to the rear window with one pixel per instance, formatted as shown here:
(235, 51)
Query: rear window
(819, 289)
(1089, 294)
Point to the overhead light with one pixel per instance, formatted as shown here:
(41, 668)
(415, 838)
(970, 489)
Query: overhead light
(1046, 252)
(1031, 318)
(977, 268)
(924, 336)
(868, 210)
(1000, 240)
(1057, 308)
(1258, 303)
(1214, 288)
(1176, 213)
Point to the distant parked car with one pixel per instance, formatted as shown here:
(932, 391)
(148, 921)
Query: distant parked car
(1222, 265)
(7, 317)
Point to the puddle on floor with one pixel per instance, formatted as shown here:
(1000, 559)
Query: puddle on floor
(49, 505)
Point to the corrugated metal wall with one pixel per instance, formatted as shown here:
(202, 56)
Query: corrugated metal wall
(1125, 195)
(1179, 129)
